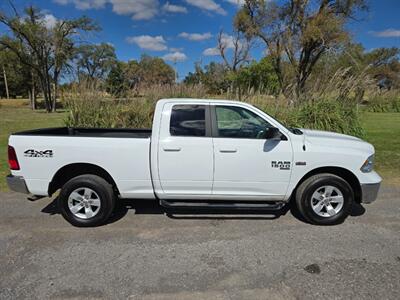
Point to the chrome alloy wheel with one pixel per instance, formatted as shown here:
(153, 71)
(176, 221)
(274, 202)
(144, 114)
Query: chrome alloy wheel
(84, 203)
(327, 201)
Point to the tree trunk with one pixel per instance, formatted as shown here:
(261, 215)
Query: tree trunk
(278, 71)
(49, 95)
(32, 93)
(53, 106)
(6, 83)
(46, 95)
(32, 97)
(301, 80)
(45, 81)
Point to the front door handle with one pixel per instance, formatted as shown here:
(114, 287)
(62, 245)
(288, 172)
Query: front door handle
(172, 149)
(228, 150)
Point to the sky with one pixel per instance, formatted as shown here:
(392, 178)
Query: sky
(184, 31)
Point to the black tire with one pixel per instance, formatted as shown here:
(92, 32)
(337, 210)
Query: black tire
(97, 184)
(310, 185)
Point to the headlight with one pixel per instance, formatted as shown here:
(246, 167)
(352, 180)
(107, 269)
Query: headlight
(368, 165)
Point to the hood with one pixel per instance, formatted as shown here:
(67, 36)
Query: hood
(333, 139)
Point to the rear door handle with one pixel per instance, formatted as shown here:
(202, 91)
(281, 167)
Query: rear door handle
(228, 150)
(172, 149)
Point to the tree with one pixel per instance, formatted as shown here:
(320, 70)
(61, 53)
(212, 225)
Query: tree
(62, 39)
(115, 82)
(196, 77)
(42, 48)
(4, 82)
(95, 61)
(385, 66)
(132, 74)
(215, 77)
(381, 65)
(300, 31)
(154, 70)
(15, 77)
(240, 46)
(149, 71)
(258, 76)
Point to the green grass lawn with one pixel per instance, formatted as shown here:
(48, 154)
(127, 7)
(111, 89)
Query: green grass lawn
(14, 119)
(383, 131)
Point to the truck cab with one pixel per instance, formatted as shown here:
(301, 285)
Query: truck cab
(218, 150)
(199, 153)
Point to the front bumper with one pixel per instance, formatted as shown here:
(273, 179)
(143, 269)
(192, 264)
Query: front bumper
(17, 184)
(369, 192)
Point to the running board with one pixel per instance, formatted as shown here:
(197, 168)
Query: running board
(222, 205)
(35, 197)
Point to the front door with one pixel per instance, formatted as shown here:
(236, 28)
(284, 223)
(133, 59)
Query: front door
(246, 164)
(185, 152)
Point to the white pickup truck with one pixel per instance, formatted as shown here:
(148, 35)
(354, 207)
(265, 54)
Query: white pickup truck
(199, 154)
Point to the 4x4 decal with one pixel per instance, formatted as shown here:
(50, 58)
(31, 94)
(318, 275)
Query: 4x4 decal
(35, 153)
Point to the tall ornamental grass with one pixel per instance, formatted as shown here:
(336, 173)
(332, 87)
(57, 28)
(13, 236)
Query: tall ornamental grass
(326, 114)
(388, 101)
(325, 108)
(90, 108)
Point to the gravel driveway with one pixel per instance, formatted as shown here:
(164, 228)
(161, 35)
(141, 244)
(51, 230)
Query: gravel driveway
(145, 253)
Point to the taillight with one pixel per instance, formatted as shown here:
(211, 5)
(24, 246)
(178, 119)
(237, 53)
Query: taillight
(12, 159)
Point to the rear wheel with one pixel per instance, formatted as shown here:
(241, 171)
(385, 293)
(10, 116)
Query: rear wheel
(86, 200)
(324, 199)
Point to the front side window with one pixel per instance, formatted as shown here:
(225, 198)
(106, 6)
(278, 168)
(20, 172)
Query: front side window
(238, 122)
(188, 120)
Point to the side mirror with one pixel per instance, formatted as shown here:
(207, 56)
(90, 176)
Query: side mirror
(273, 133)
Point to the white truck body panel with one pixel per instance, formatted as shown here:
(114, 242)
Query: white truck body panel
(192, 167)
(115, 155)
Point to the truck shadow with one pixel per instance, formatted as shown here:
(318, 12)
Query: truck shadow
(152, 207)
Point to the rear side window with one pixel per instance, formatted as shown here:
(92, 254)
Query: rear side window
(188, 120)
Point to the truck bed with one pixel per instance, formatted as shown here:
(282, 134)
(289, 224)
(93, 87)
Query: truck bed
(89, 132)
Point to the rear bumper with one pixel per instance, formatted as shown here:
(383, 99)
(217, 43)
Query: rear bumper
(17, 184)
(369, 192)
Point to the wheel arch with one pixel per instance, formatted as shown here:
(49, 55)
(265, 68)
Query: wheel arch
(338, 171)
(70, 171)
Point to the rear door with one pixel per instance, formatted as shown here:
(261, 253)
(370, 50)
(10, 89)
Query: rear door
(185, 152)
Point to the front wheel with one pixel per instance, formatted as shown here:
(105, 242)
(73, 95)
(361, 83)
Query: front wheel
(86, 201)
(324, 199)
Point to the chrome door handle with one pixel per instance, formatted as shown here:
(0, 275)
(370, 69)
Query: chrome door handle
(228, 150)
(172, 149)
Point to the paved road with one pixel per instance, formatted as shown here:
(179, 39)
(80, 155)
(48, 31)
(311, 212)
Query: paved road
(145, 254)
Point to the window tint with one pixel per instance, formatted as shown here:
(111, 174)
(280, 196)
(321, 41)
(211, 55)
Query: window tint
(237, 122)
(188, 120)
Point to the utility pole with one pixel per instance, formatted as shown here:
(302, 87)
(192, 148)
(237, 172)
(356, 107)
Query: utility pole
(5, 82)
(176, 72)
